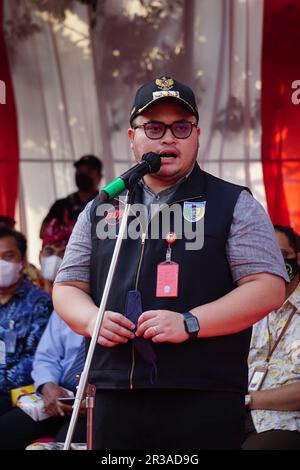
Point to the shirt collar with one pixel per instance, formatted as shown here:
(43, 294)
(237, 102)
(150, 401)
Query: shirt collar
(294, 298)
(165, 192)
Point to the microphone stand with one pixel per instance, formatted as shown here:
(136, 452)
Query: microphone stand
(82, 387)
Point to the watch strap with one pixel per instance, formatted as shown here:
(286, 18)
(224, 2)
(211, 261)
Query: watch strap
(187, 316)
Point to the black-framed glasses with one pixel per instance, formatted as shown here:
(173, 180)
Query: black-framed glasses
(157, 129)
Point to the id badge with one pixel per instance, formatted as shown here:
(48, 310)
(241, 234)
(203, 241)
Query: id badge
(167, 279)
(10, 341)
(257, 378)
(2, 352)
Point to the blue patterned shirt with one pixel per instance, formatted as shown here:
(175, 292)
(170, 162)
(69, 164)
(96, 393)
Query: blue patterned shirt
(29, 309)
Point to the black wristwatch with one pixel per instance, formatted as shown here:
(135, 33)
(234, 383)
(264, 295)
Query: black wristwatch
(191, 324)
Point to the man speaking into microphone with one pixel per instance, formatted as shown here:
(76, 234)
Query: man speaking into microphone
(170, 365)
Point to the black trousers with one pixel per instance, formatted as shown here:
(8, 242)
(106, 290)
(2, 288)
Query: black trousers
(275, 439)
(18, 430)
(168, 419)
(5, 404)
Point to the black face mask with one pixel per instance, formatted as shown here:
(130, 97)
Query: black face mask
(84, 182)
(292, 267)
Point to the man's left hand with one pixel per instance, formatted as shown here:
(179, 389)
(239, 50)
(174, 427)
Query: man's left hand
(162, 326)
(68, 409)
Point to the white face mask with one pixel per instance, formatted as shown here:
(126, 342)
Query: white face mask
(9, 273)
(50, 266)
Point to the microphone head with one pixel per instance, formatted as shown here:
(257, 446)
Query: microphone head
(153, 160)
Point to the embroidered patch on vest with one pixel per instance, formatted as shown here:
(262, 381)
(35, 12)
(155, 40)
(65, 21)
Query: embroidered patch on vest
(194, 211)
(113, 216)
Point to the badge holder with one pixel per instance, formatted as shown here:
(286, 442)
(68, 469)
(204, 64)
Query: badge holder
(257, 378)
(168, 272)
(82, 386)
(259, 374)
(10, 338)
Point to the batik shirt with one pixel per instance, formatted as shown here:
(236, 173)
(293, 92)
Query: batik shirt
(27, 312)
(284, 364)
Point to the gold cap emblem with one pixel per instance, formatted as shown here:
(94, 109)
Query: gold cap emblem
(164, 83)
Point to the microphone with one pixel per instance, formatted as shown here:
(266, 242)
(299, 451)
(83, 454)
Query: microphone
(150, 163)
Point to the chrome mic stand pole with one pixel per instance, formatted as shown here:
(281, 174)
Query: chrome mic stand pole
(84, 376)
(90, 405)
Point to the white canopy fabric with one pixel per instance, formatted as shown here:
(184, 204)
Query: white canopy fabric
(74, 89)
(58, 118)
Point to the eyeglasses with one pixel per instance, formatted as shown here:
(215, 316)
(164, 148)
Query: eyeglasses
(156, 129)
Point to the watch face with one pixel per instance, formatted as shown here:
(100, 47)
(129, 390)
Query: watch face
(192, 325)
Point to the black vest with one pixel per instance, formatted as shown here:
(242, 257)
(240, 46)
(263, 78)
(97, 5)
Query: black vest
(216, 363)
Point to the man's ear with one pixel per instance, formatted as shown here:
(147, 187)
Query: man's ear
(130, 134)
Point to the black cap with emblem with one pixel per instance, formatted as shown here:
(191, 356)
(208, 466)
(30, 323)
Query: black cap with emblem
(163, 89)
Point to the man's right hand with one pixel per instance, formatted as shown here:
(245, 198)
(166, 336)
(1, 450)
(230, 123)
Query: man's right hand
(51, 392)
(115, 329)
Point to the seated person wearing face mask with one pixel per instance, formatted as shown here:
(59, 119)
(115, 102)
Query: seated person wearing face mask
(55, 240)
(30, 270)
(87, 178)
(59, 357)
(24, 313)
(273, 418)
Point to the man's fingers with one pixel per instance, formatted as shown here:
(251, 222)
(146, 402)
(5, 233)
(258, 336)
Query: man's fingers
(159, 338)
(118, 330)
(60, 409)
(119, 319)
(147, 316)
(114, 337)
(144, 327)
(53, 409)
(106, 342)
(67, 409)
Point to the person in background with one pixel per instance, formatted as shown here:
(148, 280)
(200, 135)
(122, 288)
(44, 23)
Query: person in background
(7, 222)
(87, 177)
(30, 270)
(59, 358)
(55, 239)
(24, 313)
(273, 418)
